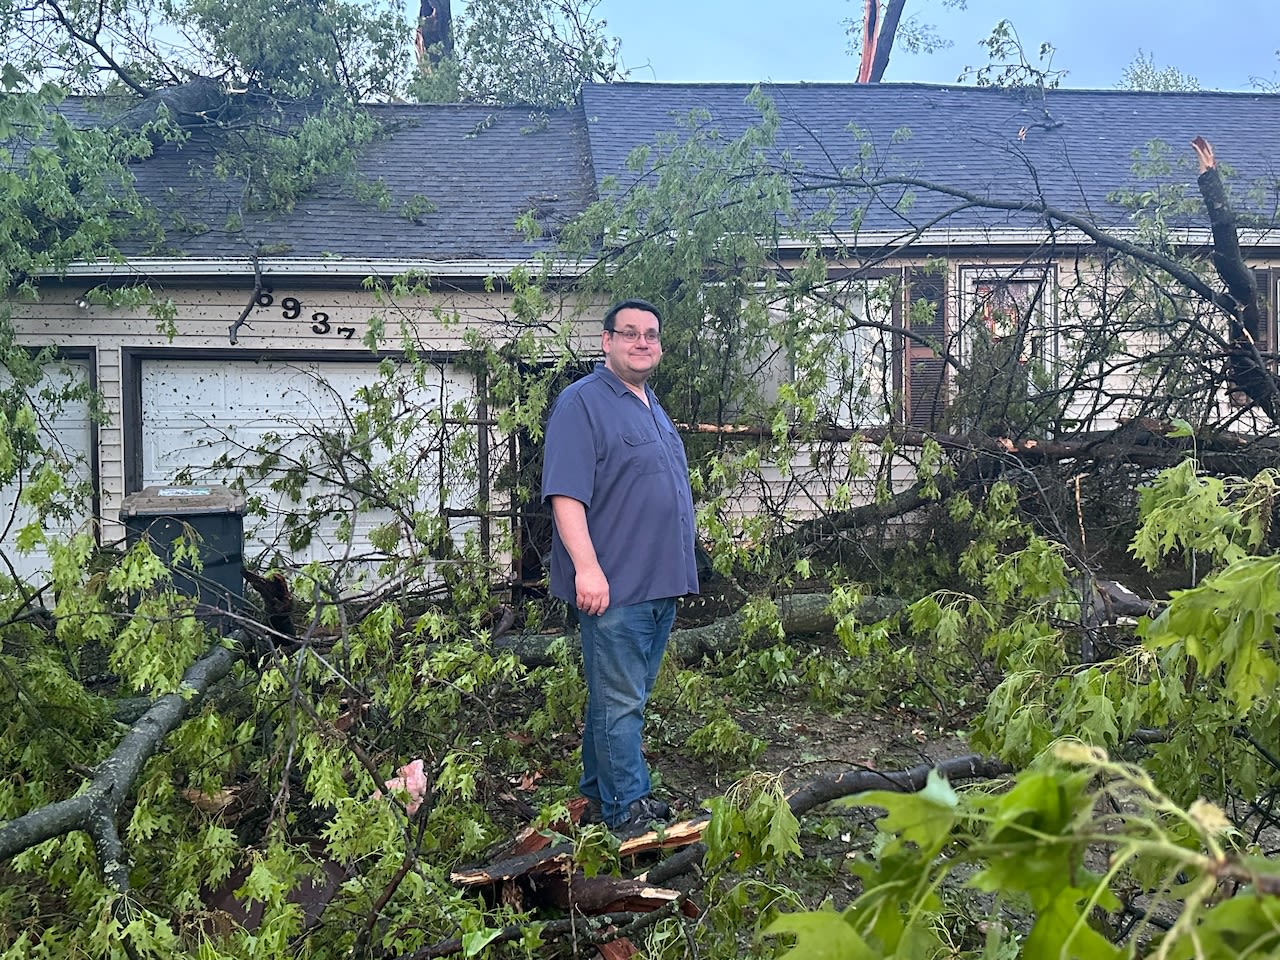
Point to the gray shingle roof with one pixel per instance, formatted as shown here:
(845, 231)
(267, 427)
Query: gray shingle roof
(479, 167)
(482, 167)
(1073, 146)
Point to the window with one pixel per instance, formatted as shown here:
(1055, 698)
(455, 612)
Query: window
(1268, 283)
(1011, 313)
(840, 349)
(923, 380)
(1007, 352)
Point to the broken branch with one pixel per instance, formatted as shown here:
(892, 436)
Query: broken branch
(95, 810)
(234, 332)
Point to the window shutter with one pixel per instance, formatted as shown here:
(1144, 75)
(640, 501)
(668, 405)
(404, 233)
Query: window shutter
(925, 371)
(1266, 308)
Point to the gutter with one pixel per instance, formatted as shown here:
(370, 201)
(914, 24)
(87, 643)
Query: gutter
(141, 267)
(1010, 237)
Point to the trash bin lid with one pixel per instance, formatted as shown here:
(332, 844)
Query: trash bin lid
(176, 500)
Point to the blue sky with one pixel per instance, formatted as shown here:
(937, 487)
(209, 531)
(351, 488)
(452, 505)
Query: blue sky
(1223, 44)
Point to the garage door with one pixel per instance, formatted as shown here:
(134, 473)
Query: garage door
(209, 421)
(66, 431)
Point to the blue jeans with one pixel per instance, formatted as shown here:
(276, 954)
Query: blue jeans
(621, 652)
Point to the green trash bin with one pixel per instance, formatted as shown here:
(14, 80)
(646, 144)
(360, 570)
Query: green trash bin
(215, 515)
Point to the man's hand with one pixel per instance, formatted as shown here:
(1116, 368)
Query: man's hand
(593, 591)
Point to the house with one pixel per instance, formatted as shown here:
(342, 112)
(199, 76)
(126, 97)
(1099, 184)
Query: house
(180, 394)
(271, 311)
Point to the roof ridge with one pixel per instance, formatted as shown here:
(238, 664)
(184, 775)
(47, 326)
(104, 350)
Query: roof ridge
(873, 88)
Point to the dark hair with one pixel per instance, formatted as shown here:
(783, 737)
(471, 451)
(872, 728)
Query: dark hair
(634, 304)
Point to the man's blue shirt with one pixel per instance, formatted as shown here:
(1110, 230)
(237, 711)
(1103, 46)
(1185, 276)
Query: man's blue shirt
(627, 464)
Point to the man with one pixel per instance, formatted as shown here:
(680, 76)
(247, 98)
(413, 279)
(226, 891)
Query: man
(621, 550)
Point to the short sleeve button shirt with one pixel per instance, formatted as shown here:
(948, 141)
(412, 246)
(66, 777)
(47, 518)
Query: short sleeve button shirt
(626, 463)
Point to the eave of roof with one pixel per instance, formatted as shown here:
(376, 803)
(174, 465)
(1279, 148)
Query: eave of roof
(905, 245)
(331, 267)
(988, 237)
(1072, 149)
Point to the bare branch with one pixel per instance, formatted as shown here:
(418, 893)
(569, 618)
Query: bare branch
(253, 300)
(91, 41)
(845, 784)
(1247, 368)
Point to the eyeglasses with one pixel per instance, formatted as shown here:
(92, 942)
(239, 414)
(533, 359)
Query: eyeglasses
(631, 335)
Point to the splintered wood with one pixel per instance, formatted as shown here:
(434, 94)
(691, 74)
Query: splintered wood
(537, 873)
(539, 862)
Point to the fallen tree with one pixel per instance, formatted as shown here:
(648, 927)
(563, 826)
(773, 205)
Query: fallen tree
(799, 614)
(846, 783)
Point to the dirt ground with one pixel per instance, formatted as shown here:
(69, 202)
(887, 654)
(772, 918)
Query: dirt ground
(803, 742)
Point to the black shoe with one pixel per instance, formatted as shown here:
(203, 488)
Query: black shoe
(643, 812)
(592, 813)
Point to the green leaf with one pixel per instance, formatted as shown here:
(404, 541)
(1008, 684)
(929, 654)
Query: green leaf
(29, 537)
(477, 940)
(924, 818)
(1042, 802)
(261, 884)
(1229, 621)
(11, 77)
(1100, 727)
(1247, 925)
(821, 936)
(1061, 932)
(783, 834)
(1030, 844)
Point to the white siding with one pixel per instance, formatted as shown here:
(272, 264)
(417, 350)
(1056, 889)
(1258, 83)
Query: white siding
(66, 431)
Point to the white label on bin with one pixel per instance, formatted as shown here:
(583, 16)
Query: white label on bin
(183, 492)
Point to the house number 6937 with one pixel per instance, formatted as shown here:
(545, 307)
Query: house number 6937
(291, 309)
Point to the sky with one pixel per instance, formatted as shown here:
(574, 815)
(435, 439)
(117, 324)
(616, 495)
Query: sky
(1222, 43)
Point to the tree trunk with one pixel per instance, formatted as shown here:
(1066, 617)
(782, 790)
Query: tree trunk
(195, 103)
(884, 43)
(556, 860)
(846, 784)
(870, 32)
(1248, 371)
(801, 614)
(435, 29)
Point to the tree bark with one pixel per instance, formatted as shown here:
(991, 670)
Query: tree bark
(801, 614)
(435, 29)
(801, 801)
(555, 859)
(596, 895)
(870, 33)
(1248, 370)
(1143, 442)
(888, 34)
(199, 101)
(867, 515)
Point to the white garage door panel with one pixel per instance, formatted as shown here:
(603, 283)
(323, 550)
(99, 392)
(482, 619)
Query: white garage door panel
(67, 430)
(195, 411)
